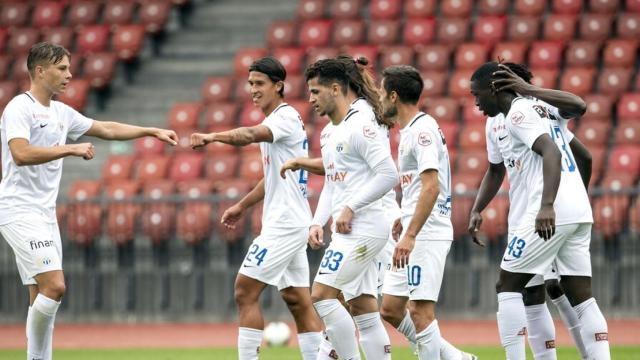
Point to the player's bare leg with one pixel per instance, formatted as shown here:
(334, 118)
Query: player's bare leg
(541, 331)
(309, 326)
(247, 295)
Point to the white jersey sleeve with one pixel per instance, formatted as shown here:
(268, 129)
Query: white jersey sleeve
(17, 121)
(323, 209)
(493, 151)
(282, 127)
(78, 123)
(366, 144)
(524, 123)
(554, 112)
(427, 156)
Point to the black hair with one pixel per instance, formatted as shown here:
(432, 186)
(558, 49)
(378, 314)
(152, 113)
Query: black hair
(484, 74)
(328, 71)
(405, 80)
(44, 53)
(271, 67)
(521, 70)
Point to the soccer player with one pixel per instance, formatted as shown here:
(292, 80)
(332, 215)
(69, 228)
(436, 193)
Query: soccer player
(278, 255)
(358, 172)
(34, 129)
(529, 141)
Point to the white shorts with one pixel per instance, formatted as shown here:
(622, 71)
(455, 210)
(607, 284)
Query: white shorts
(395, 282)
(550, 274)
(426, 269)
(384, 260)
(36, 245)
(350, 265)
(527, 253)
(279, 258)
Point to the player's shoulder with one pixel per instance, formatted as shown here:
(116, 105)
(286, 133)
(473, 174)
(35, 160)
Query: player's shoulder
(521, 107)
(286, 111)
(358, 122)
(494, 122)
(20, 102)
(422, 122)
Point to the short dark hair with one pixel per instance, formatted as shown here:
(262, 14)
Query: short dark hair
(271, 67)
(484, 74)
(405, 80)
(521, 70)
(328, 71)
(44, 53)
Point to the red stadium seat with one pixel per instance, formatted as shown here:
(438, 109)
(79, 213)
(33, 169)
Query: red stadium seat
(221, 167)
(311, 9)
(291, 58)
(251, 115)
(614, 81)
(47, 14)
(217, 89)
(315, 33)
(119, 12)
(456, 8)
(471, 55)
(315, 54)
(435, 82)
(452, 31)
(598, 154)
(598, 107)
(385, 9)
(158, 189)
(148, 146)
(620, 52)
(547, 78)
(98, 69)
(529, 7)
(628, 26)
(434, 57)
(5, 63)
(22, 39)
(19, 70)
(281, 34)
(625, 158)
(545, 54)
(251, 166)
(8, 89)
(121, 216)
(303, 108)
(582, 53)
(510, 52)
(628, 133)
(559, 27)
(231, 192)
(245, 57)
(396, 55)
(578, 80)
(128, 41)
(610, 214)
(184, 115)
(593, 133)
(523, 28)
(444, 109)
(186, 166)
(490, 29)
(294, 87)
(4, 36)
(459, 83)
(62, 36)
(158, 222)
(92, 38)
(348, 32)
(493, 7)
(419, 8)
(419, 31)
(472, 161)
(629, 107)
(218, 115)
(117, 168)
(471, 114)
(473, 137)
(463, 183)
(242, 89)
(595, 27)
(15, 13)
(383, 32)
(152, 168)
(193, 223)
(495, 216)
(603, 6)
(566, 6)
(634, 216)
(632, 5)
(345, 9)
(83, 218)
(83, 13)
(368, 51)
(154, 14)
(76, 94)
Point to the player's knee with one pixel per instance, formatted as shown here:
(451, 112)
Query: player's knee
(533, 295)
(391, 314)
(553, 289)
(54, 290)
(242, 295)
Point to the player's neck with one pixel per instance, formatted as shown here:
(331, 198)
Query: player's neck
(41, 94)
(272, 106)
(406, 113)
(340, 111)
(504, 101)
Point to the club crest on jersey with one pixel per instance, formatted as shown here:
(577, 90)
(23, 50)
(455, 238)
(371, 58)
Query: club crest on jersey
(517, 118)
(369, 132)
(341, 148)
(424, 139)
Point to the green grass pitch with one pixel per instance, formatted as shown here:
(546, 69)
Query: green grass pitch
(399, 353)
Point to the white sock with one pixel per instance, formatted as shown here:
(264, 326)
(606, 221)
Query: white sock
(327, 352)
(571, 321)
(595, 333)
(428, 342)
(541, 332)
(249, 341)
(309, 344)
(339, 327)
(373, 336)
(512, 324)
(408, 329)
(448, 351)
(48, 347)
(40, 325)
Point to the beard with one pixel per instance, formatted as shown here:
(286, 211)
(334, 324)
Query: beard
(390, 113)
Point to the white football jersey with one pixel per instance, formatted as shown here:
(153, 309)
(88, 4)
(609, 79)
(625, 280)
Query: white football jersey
(285, 200)
(349, 155)
(422, 147)
(35, 187)
(509, 141)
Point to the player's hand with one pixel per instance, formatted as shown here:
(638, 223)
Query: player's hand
(199, 140)
(343, 222)
(168, 136)
(290, 164)
(546, 222)
(83, 150)
(508, 80)
(475, 220)
(396, 230)
(231, 216)
(316, 235)
(403, 250)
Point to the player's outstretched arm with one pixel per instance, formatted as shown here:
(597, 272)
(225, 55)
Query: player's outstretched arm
(239, 137)
(583, 160)
(111, 130)
(489, 187)
(312, 165)
(25, 154)
(551, 163)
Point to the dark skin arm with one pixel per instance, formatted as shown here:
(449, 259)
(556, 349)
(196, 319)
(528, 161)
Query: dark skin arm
(489, 187)
(583, 160)
(551, 162)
